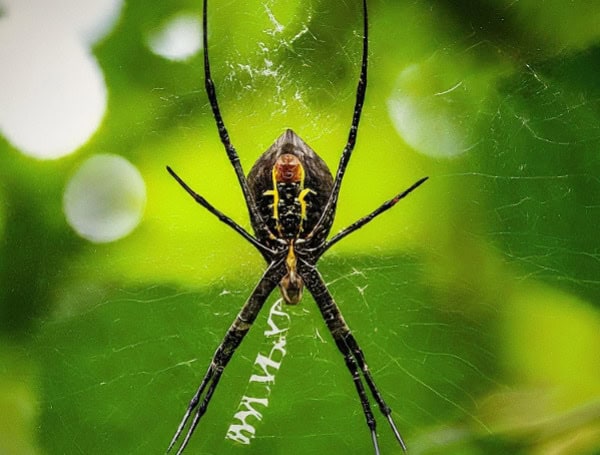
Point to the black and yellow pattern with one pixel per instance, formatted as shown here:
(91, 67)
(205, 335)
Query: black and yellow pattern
(291, 209)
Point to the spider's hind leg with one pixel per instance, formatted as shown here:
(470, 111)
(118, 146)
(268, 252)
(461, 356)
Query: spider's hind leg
(385, 409)
(234, 336)
(353, 355)
(340, 341)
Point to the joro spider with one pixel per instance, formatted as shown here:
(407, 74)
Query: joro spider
(291, 198)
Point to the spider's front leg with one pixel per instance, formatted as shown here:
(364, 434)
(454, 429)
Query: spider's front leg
(353, 355)
(234, 336)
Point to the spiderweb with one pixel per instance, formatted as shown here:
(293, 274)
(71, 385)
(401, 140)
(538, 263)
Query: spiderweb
(475, 300)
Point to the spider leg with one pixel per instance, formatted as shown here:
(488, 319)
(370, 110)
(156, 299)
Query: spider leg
(365, 219)
(385, 409)
(234, 336)
(193, 404)
(264, 250)
(361, 90)
(353, 355)
(232, 154)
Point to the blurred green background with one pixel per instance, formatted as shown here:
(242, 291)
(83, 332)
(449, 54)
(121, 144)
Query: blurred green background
(476, 300)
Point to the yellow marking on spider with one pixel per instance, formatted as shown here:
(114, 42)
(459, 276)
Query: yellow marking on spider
(305, 192)
(275, 195)
(290, 261)
(301, 176)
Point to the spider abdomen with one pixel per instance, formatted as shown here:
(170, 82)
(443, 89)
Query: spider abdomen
(290, 184)
(290, 210)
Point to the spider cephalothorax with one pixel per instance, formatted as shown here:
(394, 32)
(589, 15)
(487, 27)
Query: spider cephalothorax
(291, 198)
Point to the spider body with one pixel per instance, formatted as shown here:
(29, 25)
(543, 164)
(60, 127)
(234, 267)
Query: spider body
(290, 184)
(291, 198)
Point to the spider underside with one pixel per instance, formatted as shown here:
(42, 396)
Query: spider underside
(291, 198)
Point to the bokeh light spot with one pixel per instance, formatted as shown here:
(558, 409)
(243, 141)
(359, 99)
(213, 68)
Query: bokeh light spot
(178, 39)
(52, 93)
(105, 199)
(428, 115)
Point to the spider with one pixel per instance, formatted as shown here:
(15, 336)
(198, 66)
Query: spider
(291, 198)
